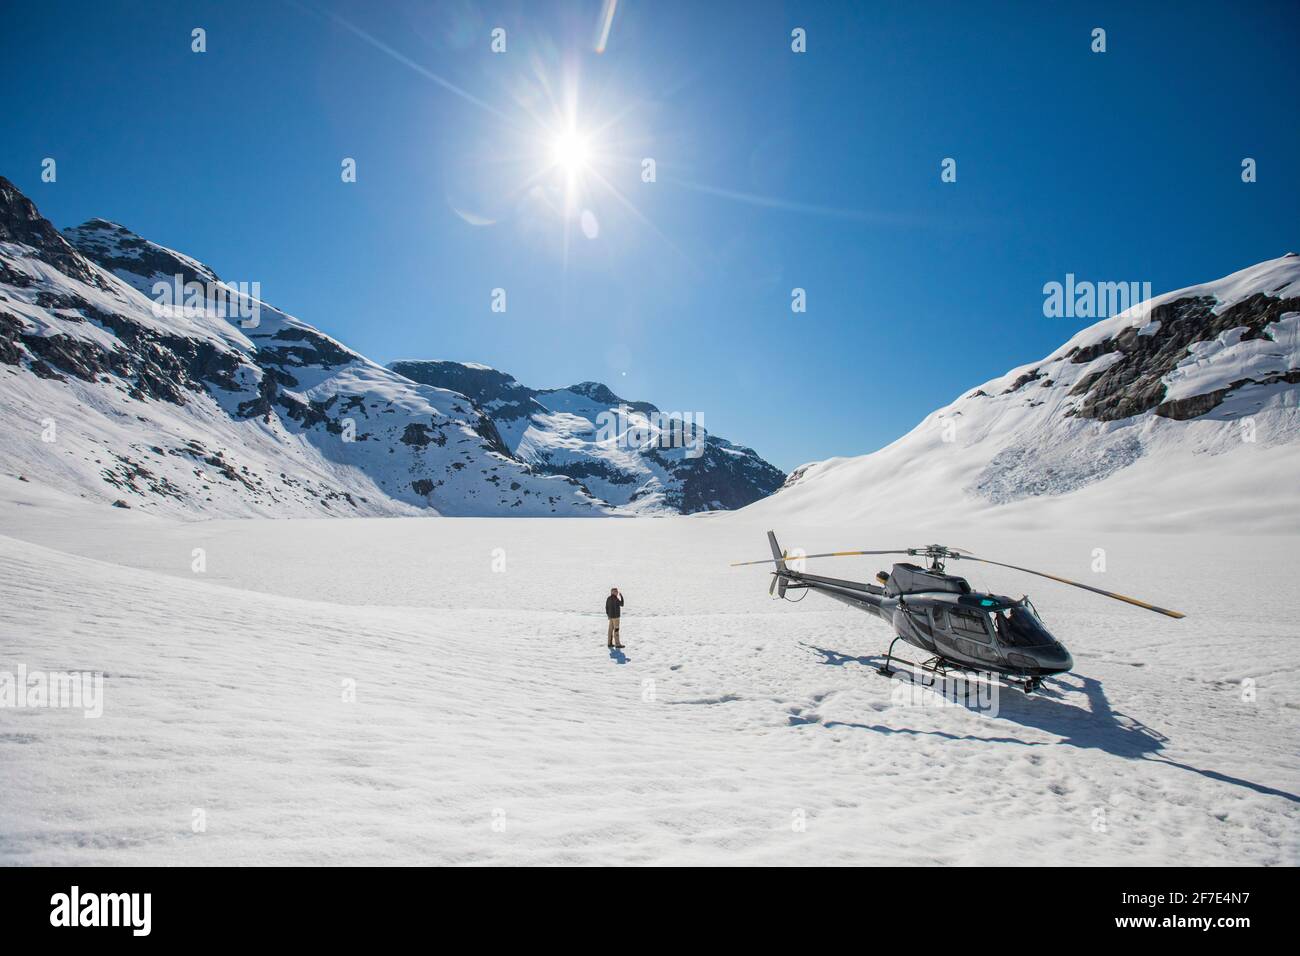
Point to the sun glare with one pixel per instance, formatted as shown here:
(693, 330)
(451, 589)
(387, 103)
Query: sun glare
(570, 152)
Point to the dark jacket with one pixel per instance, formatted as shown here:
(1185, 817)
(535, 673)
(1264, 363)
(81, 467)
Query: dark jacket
(612, 605)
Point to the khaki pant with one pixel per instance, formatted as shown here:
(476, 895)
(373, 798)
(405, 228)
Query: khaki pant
(613, 637)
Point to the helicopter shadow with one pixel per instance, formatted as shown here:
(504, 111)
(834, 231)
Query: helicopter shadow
(1096, 727)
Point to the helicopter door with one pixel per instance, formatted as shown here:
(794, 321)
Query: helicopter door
(943, 637)
(971, 634)
(943, 641)
(961, 634)
(917, 622)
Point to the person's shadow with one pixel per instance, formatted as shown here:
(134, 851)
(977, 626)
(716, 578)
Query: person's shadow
(617, 656)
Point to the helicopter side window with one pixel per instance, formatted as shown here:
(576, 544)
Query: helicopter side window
(968, 624)
(940, 618)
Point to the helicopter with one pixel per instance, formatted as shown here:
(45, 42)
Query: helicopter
(941, 614)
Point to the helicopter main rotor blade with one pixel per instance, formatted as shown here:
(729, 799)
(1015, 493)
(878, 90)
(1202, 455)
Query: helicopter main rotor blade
(1087, 587)
(800, 557)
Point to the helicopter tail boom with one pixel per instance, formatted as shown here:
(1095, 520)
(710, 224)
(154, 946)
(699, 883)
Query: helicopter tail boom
(861, 595)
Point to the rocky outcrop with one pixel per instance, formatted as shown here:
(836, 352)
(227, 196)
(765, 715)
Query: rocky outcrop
(1136, 382)
(21, 223)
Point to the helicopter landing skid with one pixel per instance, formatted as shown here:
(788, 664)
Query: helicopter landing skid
(941, 667)
(936, 666)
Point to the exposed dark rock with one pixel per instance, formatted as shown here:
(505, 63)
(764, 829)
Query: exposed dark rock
(1194, 406)
(1183, 409)
(728, 481)
(116, 248)
(487, 430)
(264, 404)
(417, 434)
(316, 349)
(20, 222)
(41, 370)
(1132, 384)
(10, 332)
(1023, 380)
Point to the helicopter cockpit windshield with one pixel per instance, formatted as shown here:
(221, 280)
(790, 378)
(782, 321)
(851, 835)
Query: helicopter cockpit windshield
(1019, 626)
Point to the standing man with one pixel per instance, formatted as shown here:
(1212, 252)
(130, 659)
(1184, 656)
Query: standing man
(613, 611)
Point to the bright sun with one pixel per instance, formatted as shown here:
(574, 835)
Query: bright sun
(570, 152)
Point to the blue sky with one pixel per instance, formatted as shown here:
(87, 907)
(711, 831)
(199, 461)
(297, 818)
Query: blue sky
(775, 170)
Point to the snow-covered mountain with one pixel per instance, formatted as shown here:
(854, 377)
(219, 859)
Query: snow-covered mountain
(1178, 413)
(222, 405)
(626, 453)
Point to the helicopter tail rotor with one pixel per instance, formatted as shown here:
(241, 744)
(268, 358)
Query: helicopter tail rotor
(777, 554)
(779, 580)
